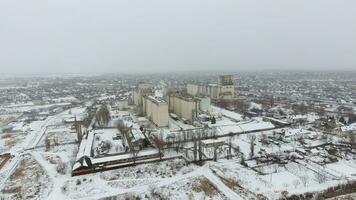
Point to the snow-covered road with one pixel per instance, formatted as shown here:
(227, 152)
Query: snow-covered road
(31, 142)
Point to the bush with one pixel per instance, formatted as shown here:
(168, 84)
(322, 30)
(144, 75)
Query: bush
(61, 168)
(131, 196)
(64, 188)
(204, 185)
(342, 189)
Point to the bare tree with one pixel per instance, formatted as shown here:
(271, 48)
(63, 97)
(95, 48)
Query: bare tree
(195, 148)
(296, 183)
(47, 143)
(252, 139)
(352, 118)
(160, 145)
(88, 119)
(300, 108)
(321, 178)
(121, 126)
(352, 139)
(324, 138)
(305, 180)
(243, 162)
(125, 133)
(215, 153)
(103, 116)
(61, 167)
(264, 139)
(78, 129)
(55, 141)
(229, 153)
(214, 132)
(241, 105)
(199, 147)
(97, 119)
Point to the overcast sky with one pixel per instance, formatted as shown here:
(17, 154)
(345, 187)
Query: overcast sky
(72, 36)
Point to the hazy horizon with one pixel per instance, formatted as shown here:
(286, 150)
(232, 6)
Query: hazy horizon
(101, 37)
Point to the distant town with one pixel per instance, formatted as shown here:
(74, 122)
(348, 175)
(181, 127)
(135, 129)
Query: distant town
(187, 135)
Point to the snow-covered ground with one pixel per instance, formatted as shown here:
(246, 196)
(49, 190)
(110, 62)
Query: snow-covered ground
(225, 125)
(17, 108)
(229, 114)
(106, 137)
(47, 171)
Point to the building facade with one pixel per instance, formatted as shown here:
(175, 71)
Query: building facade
(122, 104)
(184, 106)
(141, 91)
(156, 110)
(225, 89)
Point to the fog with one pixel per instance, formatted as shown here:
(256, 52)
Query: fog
(113, 36)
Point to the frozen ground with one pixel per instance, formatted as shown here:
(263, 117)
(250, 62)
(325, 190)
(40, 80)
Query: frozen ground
(47, 171)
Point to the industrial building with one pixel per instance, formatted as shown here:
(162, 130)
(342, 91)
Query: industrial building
(156, 110)
(142, 90)
(184, 106)
(187, 106)
(225, 88)
(122, 104)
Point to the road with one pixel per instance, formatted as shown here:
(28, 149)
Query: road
(37, 135)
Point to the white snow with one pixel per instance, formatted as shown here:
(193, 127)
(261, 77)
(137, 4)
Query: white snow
(229, 114)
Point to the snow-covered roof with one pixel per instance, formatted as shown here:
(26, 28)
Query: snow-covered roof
(81, 149)
(227, 126)
(310, 117)
(276, 120)
(82, 162)
(89, 143)
(350, 127)
(292, 132)
(227, 113)
(123, 156)
(212, 141)
(254, 105)
(137, 134)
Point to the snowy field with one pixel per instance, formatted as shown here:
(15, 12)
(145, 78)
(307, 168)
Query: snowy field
(47, 170)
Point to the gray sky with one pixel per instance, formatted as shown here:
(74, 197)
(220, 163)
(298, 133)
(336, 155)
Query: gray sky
(87, 36)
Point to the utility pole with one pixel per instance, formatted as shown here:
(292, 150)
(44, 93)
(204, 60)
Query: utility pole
(195, 149)
(199, 148)
(229, 151)
(215, 153)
